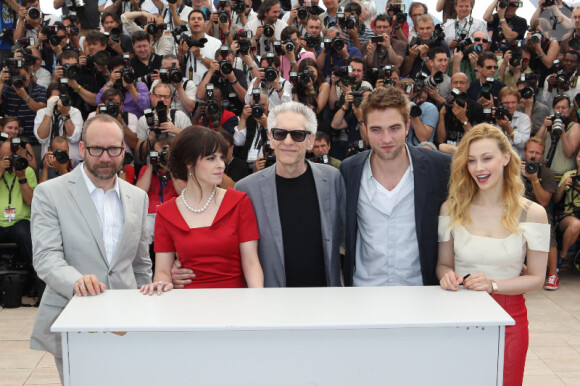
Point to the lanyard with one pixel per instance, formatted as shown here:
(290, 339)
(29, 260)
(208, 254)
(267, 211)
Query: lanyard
(9, 188)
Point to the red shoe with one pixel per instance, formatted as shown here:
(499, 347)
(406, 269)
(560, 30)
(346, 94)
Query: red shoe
(553, 283)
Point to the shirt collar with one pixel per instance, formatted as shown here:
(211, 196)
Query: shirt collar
(91, 187)
(367, 171)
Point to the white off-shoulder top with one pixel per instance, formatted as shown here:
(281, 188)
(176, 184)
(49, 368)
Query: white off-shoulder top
(495, 258)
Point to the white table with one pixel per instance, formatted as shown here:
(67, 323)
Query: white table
(284, 336)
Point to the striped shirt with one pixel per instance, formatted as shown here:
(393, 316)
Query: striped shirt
(363, 37)
(14, 106)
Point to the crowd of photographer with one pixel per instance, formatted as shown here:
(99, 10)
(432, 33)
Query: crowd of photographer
(225, 64)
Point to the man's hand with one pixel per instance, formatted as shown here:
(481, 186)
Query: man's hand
(453, 44)
(457, 56)
(49, 160)
(246, 113)
(371, 48)
(259, 164)
(181, 276)
(62, 109)
(504, 123)
(169, 127)
(88, 285)
(50, 104)
(485, 102)
(4, 164)
(460, 112)
(532, 177)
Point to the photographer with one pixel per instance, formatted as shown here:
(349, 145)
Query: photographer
(457, 115)
(401, 29)
(505, 24)
(162, 122)
(250, 134)
(135, 94)
(80, 86)
(437, 85)
(388, 51)
(161, 44)
(21, 98)
(564, 80)
(183, 91)
(95, 62)
(359, 35)
(516, 125)
(566, 137)
(9, 10)
(118, 42)
(172, 13)
(219, 22)
(389, 78)
(312, 39)
(196, 57)
(540, 185)
(513, 64)
(321, 148)
(572, 42)
(279, 89)
(11, 127)
(236, 169)
(156, 180)
(211, 113)
(335, 52)
(73, 28)
(463, 27)
(145, 63)
(347, 122)
(416, 59)
(225, 77)
(30, 20)
(113, 105)
(268, 19)
(536, 110)
(544, 50)
(88, 15)
(315, 91)
(53, 43)
(485, 89)
(245, 58)
(329, 17)
(424, 115)
(343, 81)
(466, 62)
(242, 18)
(58, 119)
(38, 74)
(56, 161)
(291, 59)
(558, 14)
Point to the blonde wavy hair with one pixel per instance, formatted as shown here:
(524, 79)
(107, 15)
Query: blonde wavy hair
(462, 186)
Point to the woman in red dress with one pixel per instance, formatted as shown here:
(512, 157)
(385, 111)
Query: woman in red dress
(210, 230)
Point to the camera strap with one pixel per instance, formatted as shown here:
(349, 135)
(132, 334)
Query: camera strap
(10, 188)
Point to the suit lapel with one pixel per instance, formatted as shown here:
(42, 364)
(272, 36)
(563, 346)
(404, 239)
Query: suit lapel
(270, 201)
(323, 194)
(421, 177)
(86, 207)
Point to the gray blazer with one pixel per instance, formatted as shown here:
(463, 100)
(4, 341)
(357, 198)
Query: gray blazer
(261, 188)
(67, 243)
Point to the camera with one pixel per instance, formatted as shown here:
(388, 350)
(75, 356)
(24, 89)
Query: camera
(505, 46)
(65, 100)
(268, 30)
(101, 58)
(300, 78)
(343, 72)
(415, 110)
(502, 112)
(17, 162)
(397, 9)
(51, 32)
(350, 22)
(377, 39)
(71, 71)
(128, 75)
(6, 34)
(323, 159)
(488, 115)
(153, 28)
(17, 143)
(25, 42)
(337, 43)
(223, 16)
(527, 92)
(156, 159)
(110, 108)
(14, 65)
(177, 31)
(212, 107)
(436, 79)
(311, 40)
(557, 124)
(74, 4)
(161, 110)
(278, 47)
(486, 89)
(270, 73)
(170, 75)
(456, 96)
(257, 108)
(33, 13)
(115, 34)
(356, 148)
(503, 4)
(387, 72)
(243, 38)
(61, 156)
(225, 65)
(532, 167)
(536, 37)
(289, 46)
(358, 97)
(191, 42)
(239, 7)
(549, 3)
(421, 79)
(302, 12)
(464, 43)
(434, 41)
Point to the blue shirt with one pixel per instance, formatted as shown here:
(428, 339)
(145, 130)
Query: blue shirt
(131, 105)
(429, 116)
(7, 21)
(338, 60)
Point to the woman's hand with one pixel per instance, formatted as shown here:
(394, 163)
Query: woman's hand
(160, 286)
(450, 281)
(478, 282)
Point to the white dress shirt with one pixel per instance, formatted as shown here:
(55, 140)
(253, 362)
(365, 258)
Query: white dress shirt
(469, 25)
(110, 212)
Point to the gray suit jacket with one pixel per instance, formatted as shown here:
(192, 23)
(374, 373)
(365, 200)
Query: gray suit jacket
(261, 188)
(67, 243)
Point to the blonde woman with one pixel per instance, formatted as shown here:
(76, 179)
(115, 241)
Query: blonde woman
(486, 230)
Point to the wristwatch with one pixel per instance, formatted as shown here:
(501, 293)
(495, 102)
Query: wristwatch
(494, 288)
(501, 20)
(234, 82)
(26, 100)
(22, 180)
(66, 118)
(466, 123)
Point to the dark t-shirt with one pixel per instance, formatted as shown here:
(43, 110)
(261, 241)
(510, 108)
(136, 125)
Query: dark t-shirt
(516, 23)
(142, 70)
(547, 180)
(88, 16)
(301, 230)
(237, 169)
(455, 129)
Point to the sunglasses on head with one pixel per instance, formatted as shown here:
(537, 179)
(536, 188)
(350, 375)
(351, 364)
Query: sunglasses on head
(297, 135)
(477, 40)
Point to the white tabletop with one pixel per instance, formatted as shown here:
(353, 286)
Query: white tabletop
(280, 308)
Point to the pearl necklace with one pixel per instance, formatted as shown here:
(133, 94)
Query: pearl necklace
(204, 207)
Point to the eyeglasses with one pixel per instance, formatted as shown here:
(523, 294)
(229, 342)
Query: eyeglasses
(477, 40)
(97, 151)
(159, 96)
(297, 135)
(490, 67)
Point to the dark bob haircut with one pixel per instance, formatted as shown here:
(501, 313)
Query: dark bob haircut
(190, 145)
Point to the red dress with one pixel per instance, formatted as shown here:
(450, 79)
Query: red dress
(213, 253)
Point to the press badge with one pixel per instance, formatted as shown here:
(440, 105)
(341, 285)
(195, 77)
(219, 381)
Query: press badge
(9, 213)
(252, 155)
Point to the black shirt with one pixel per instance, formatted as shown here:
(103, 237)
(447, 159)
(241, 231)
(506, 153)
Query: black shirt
(142, 70)
(455, 128)
(516, 23)
(237, 169)
(301, 231)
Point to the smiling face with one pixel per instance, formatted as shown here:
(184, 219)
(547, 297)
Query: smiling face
(12, 129)
(485, 163)
(463, 8)
(387, 132)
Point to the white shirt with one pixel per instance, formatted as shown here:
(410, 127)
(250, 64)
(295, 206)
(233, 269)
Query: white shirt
(190, 89)
(273, 97)
(264, 41)
(469, 25)
(522, 128)
(387, 250)
(110, 211)
(73, 140)
(194, 69)
(43, 77)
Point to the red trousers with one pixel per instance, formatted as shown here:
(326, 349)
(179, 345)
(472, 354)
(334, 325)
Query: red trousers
(516, 338)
